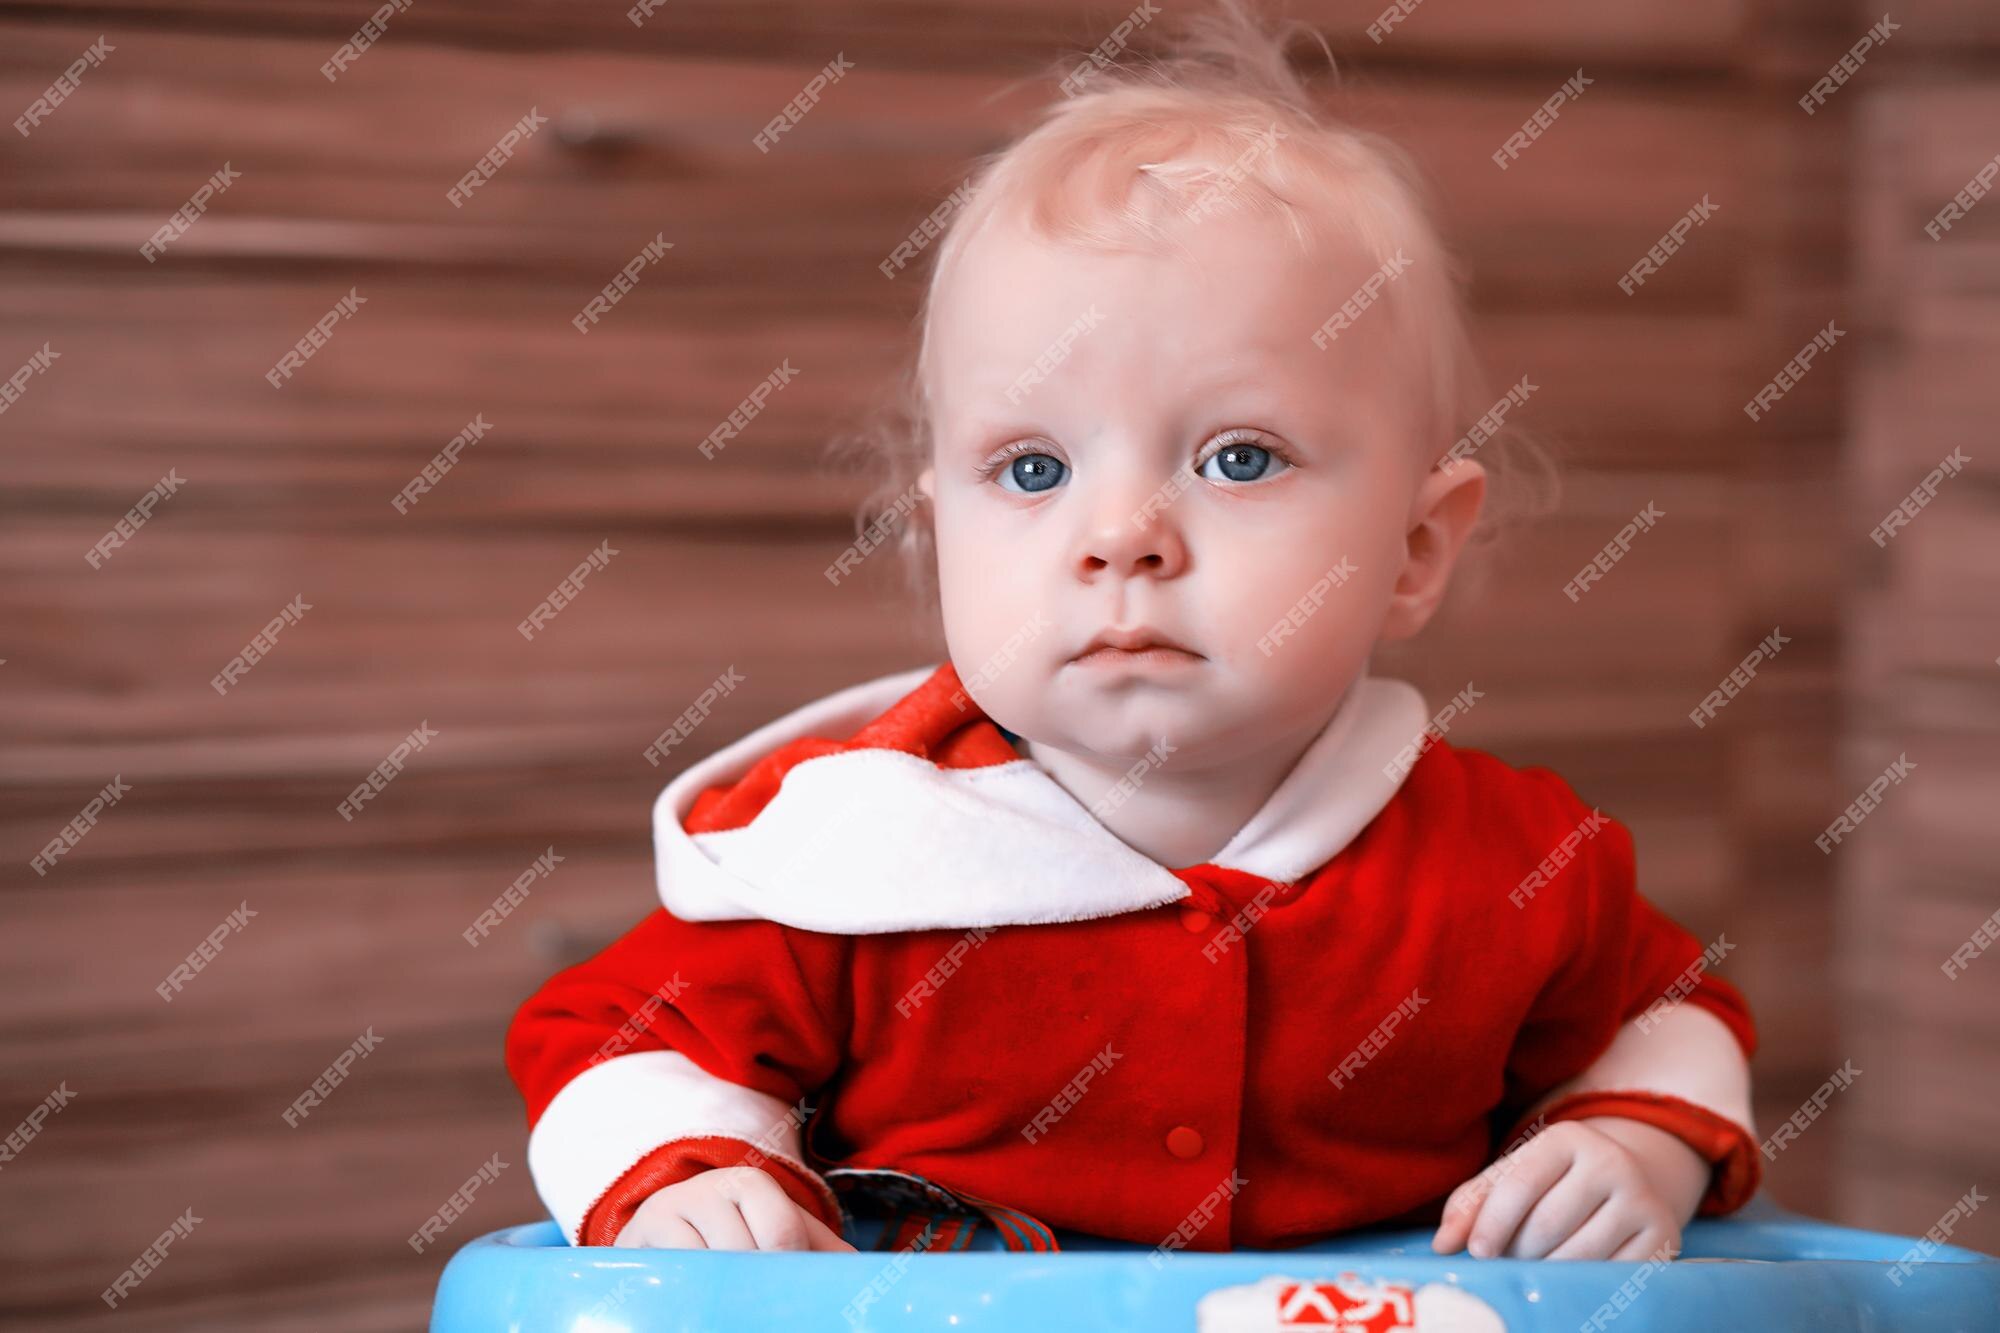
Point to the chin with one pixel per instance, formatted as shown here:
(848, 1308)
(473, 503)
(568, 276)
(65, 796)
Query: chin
(1127, 735)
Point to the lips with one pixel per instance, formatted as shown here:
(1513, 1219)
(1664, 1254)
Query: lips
(1136, 641)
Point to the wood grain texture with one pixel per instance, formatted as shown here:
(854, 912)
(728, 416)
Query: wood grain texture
(1925, 679)
(287, 494)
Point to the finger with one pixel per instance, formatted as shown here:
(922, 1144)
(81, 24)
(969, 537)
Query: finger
(720, 1223)
(1461, 1207)
(1650, 1243)
(776, 1221)
(1459, 1211)
(1557, 1214)
(765, 1207)
(823, 1236)
(1512, 1197)
(1599, 1237)
(664, 1231)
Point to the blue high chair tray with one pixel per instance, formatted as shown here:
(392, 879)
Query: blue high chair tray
(1762, 1270)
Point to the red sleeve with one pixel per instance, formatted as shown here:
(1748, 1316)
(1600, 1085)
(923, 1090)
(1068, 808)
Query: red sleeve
(681, 1047)
(1619, 958)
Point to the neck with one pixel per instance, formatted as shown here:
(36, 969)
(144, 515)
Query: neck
(1177, 817)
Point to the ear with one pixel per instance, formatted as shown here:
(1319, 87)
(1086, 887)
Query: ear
(1442, 515)
(927, 483)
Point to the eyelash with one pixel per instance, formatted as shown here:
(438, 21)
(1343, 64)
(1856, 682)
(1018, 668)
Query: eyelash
(991, 467)
(1242, 436)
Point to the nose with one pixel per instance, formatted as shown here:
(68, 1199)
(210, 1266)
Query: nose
(1131, 532)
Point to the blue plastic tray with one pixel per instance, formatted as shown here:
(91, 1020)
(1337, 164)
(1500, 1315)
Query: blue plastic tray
(1761, 1270)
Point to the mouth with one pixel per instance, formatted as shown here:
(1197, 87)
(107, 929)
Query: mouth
(1134, 647)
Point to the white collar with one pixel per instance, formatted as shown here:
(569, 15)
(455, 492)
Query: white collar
(869, 839)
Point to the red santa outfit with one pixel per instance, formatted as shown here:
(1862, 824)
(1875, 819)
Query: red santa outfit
(877, 905)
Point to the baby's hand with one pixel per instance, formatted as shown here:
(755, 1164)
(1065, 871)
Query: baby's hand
(727, 1208)
(1597, 1188)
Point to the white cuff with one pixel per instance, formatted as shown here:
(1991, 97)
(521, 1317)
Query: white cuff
(609, 1117)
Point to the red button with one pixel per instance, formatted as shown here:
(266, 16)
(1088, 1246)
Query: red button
(1183, 1142)
(1195, 919)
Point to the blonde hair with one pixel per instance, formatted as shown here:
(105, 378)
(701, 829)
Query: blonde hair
(1223, 117)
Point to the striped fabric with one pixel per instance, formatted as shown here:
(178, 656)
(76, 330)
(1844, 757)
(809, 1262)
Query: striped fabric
(896, 1211)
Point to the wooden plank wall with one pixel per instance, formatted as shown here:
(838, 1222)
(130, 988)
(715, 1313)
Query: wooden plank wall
(1923, 678)
(286, 493)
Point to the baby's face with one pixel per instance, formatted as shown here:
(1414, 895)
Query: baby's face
(1193, 467)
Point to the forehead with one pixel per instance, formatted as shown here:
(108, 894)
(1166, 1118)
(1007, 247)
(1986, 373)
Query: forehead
(1235, 289)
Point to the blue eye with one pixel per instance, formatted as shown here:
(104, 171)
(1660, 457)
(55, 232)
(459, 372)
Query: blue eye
(1242, 462)
(1030, 474)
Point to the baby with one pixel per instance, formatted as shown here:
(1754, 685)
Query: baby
(1151, 913)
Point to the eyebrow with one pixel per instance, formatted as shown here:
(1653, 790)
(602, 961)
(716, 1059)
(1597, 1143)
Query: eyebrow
(988, 434)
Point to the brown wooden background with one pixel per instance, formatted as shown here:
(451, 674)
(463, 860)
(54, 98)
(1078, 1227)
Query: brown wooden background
(593, 439)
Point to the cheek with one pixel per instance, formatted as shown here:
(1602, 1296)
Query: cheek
(985, 595)
(957, 544)
(1313, 585)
